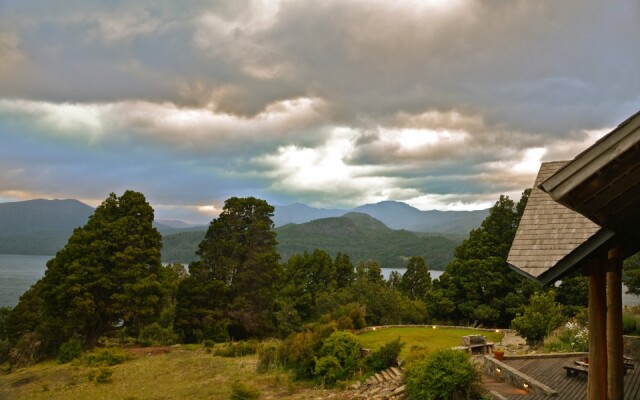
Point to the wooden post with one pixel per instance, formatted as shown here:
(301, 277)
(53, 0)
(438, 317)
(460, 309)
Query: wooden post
(597, 387)
(615, 350)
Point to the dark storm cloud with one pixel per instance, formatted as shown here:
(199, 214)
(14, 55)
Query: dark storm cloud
(332, 102)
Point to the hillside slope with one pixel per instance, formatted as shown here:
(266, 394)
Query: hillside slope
(398, 215)
(359, 235)
(365, 238)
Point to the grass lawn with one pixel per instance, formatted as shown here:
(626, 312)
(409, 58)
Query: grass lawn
(180, 374)
(424, 337)
(189, 372)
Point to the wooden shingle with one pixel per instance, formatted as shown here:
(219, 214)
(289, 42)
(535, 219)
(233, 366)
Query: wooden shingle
(548, 232)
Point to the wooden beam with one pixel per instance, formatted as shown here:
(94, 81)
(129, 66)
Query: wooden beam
(615, 186)
(597, 386)
(607, 183)
(615, 350)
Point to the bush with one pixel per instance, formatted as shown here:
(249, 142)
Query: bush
(104, 357)
(345, 349)
(329, 371)
(386, 356)
(267, 356)
(5, 348)
(299, 352)
(628, 324)
(572, 336)
(240, 391)
(69, 350)
(27, 350)
(154, 334)
(443, 374)
(104, 376)
(237, 349)
(540, 318)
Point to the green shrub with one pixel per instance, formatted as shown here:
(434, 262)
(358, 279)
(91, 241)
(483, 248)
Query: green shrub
(69, 350)
(329, 371)
(27, 350)
(237, 349)
(386, 356)
(218, 332)
(568, 338)
(299, 351)
(240, 391)
(267, 356)
(5, 348)
(540, 318)
(104, 375)
(154, 334)
(104, 357)
(208, 344)
(443, 374)
(345, 348)
(628, 324)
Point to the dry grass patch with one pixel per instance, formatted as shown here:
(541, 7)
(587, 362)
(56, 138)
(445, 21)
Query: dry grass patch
(179, 374)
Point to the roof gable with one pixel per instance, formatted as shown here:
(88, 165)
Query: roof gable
(551, 238)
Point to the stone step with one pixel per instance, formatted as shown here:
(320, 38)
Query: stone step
(379, 377)
(386, 375)
(399, 390)
(396, 371)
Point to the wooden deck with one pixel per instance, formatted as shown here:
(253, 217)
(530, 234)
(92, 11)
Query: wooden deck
(550, 372)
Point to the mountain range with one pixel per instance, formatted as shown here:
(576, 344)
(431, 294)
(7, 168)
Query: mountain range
(394, 214)
(359, 235)
(387, 232)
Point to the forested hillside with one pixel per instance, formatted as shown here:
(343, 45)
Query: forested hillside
(42, 227)
(39, 226)
(360, 236)
(364, 238)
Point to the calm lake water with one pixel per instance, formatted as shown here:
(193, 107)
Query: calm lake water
(18, 273)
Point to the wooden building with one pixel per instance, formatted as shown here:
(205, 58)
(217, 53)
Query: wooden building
(583, 215)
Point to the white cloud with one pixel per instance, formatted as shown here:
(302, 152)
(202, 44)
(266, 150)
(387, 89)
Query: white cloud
(195, 130)
(79, 120)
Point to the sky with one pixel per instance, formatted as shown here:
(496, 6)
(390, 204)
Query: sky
(442, 104)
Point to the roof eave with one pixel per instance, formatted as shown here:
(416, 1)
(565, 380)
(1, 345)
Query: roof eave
(575, 172)
(571, 260)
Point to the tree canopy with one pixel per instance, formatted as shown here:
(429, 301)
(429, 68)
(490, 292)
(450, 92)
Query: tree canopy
(236, 273)
(105, 277)
(478, 286)
(631, 274)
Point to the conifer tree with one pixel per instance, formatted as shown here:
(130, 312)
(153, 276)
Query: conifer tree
(106, 277)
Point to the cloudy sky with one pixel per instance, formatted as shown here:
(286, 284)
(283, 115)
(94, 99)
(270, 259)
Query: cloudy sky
(443, 104)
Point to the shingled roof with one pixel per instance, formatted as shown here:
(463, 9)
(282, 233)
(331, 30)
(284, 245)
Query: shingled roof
(551, 238)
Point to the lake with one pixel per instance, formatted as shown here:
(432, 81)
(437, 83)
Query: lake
(18, 273)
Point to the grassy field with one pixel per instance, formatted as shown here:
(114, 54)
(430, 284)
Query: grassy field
(189, 372)
(424, 337)
(179, 374)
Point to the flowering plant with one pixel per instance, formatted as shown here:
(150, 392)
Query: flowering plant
(572, 336)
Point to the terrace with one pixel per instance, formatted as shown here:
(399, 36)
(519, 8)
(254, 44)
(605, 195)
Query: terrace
(548, 372)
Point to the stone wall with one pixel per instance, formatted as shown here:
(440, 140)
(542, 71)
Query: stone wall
(504, 373)
(632, 346)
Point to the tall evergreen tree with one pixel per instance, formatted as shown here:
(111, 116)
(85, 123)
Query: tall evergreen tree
(345, 272)
(416, 280)
(105, 277)
(238, 254)
(478, 281)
